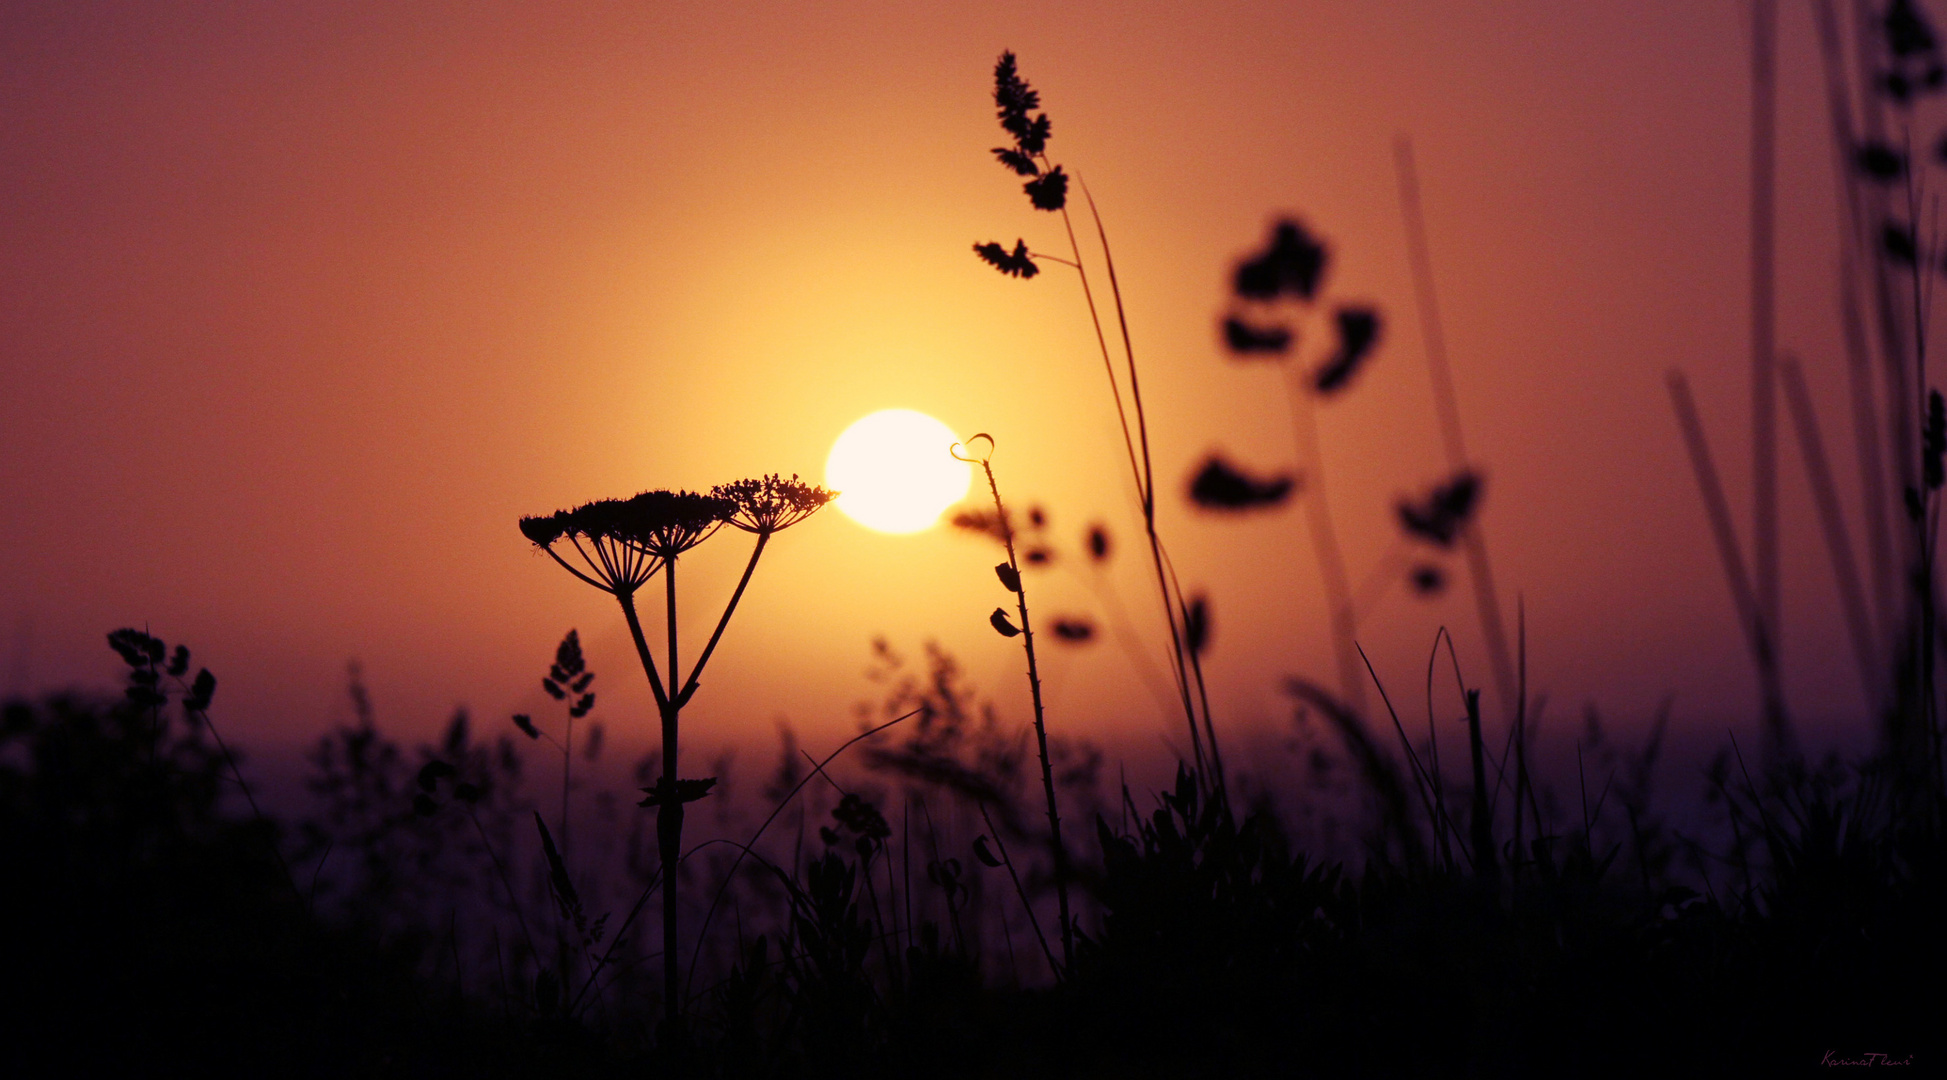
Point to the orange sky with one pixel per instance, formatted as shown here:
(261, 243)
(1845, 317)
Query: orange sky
(304, 305)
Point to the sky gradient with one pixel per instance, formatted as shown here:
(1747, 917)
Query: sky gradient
(304, 305)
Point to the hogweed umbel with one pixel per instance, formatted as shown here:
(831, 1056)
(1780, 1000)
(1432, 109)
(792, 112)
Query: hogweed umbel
(625, 542)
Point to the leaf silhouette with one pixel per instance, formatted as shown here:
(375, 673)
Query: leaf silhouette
(1907, 32)
(1073, 629)
(1034, 138)
(1002, 625)
(1012, 95)
(558, 879)
(1247, 340)
(984, 853)
(1220, 486)
(1010, 580)
(1049, 191)
(863, 818)
(201, 691)
(1428, 579)
(1016, 160)
(431, 773)
(1358, 331)
(1439, 517)
(1016, 264)
(1292, 262)
(1098, 542)
(1896, 240)
(1879, 162)
(1196, 625)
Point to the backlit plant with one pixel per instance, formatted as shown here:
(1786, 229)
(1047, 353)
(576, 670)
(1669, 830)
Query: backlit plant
(622, 544)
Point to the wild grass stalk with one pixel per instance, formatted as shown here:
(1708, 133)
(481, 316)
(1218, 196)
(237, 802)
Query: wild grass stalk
(1047, 190)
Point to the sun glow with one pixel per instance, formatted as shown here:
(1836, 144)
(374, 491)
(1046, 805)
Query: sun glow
(893, 472)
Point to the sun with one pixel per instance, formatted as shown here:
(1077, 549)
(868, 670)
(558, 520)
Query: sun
(893, 472)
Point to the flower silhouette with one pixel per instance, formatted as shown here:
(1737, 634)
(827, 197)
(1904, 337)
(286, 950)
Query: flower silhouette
(767, 504)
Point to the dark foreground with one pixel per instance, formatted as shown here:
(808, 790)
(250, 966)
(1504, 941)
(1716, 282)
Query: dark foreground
(149, 931)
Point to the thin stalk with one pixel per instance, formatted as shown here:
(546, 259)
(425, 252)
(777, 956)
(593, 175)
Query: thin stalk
(1142, 472)
(627, 600)
(1717, 508)
(1764, 380)
(1433, 753)
(1481, 824)
(256, 811)
(1866, 430)
(669, 815)
(1422, 783)
(1021, 892)
(1480, 572)
(1845, 570)
(1521, 786)
(1325, 539)
(817, 769)
(1147, 481)
(1108, 364)
(1221, 789)
(1059, 850)
(500, 869)
(689, 685)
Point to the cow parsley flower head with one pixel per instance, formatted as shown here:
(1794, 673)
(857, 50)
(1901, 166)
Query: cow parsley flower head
(770, 503)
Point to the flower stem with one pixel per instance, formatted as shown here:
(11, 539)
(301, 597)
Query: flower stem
(669, 814)
(1059, 850)
(689, 685)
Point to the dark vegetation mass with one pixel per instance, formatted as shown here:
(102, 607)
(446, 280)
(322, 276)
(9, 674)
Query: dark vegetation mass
(425, 921)
(953, 892)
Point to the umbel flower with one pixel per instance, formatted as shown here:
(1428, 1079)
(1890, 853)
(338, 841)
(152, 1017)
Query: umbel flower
(622, 543)
(768, 504)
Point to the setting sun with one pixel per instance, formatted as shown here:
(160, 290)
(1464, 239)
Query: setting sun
(893, 471)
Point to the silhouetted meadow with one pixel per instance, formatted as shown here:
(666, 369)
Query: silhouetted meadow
(957, 892)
